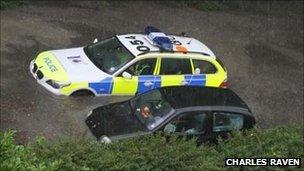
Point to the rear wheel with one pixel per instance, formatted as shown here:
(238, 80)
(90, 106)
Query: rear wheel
(82, 93)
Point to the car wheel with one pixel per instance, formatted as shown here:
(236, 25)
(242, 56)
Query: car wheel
(82, 93)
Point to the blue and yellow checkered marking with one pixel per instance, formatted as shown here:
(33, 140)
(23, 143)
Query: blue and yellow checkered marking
(106, 86)
(155, 80)
(103, 87)
(196, 80)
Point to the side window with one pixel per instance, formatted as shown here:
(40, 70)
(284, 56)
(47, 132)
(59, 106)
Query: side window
(224, 121)
(173, 66)
(142, 67)
(189, 123)
(205, 67)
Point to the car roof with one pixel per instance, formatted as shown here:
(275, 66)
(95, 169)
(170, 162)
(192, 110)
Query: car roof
(192, 45)
(193, 96)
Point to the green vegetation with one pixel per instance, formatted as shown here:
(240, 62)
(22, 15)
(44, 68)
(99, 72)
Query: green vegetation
(5, 4)
(148, 152)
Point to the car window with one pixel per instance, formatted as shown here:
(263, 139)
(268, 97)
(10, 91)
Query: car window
(189, 123)
(151, 108)
(224, 121)
(108, 55)
(142, 67)
(205, 67)
(173, 66)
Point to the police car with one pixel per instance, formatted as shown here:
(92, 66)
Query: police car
(129, 64)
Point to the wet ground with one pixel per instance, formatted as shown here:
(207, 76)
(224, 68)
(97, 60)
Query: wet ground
(263, 53)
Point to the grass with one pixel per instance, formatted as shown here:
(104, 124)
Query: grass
(152, 152)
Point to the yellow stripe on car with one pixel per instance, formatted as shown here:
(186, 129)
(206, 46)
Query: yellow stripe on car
(124, 86)
(50, 66)
(171, 80)
(74, 86)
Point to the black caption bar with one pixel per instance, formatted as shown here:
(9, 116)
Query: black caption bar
(263, 162)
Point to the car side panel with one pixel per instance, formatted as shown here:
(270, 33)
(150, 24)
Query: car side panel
(195, 80)
(123, 86)
(74, 87)
(171, 80)
(143, 80)
(103, 87)
(213, 80)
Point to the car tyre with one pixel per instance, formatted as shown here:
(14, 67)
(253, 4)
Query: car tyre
(82, 93)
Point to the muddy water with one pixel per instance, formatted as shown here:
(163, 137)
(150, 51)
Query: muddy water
(262, 52)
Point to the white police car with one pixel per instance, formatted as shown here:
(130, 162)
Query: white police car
(129, 64)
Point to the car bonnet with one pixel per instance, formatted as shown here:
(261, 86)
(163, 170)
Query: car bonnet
(113, 120)
(78, 66)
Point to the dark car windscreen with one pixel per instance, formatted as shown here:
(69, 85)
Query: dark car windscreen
(151, 108)
(108, 55)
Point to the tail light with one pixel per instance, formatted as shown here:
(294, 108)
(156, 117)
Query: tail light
(224, 84)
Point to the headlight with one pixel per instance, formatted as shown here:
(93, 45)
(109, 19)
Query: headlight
(89, 113)
(57, 84)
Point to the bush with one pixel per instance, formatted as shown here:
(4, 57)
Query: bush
(11, 3)
(151, 152)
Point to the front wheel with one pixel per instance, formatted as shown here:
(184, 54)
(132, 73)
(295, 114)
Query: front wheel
(82, 93)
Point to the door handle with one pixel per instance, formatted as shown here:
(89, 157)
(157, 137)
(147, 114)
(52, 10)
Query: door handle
(148, 83)
(184, 82)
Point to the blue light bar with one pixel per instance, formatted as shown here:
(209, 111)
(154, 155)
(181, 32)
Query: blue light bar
(159, 38)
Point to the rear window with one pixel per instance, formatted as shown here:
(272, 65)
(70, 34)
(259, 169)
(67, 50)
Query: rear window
(205, 67)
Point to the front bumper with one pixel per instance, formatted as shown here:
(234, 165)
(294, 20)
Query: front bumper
(43, 80)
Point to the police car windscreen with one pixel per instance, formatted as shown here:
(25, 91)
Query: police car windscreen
(108, 55)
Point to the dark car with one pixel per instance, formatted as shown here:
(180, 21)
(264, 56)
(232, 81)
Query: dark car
(203, 112)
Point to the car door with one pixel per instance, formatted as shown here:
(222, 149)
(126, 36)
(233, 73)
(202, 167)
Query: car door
(191, 124)
(142, 78)
(209, 73)
(174, 70)
(204, 73)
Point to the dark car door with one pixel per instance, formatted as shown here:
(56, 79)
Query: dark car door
(190, 124)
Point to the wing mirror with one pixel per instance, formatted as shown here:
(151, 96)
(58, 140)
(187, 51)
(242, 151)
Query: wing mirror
(105, 139)
(126, 75)
(95, 40)
(197, 71)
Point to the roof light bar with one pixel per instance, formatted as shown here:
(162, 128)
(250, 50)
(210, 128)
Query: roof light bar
(159, 38)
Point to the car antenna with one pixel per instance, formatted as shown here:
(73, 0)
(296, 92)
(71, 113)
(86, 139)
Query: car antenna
(189, 41)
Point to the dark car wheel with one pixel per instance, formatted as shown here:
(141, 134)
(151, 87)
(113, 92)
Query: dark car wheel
(82, 93)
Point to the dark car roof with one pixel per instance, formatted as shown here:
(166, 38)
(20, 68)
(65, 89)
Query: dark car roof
(187, 96)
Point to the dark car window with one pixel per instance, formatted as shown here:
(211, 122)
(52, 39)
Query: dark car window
(225, 121)
(190, 123)
(151, 108)
(142, 67)
(204, 66)
(174, 66)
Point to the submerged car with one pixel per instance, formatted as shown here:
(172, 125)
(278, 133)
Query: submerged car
(129, 64)
(203, 112)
